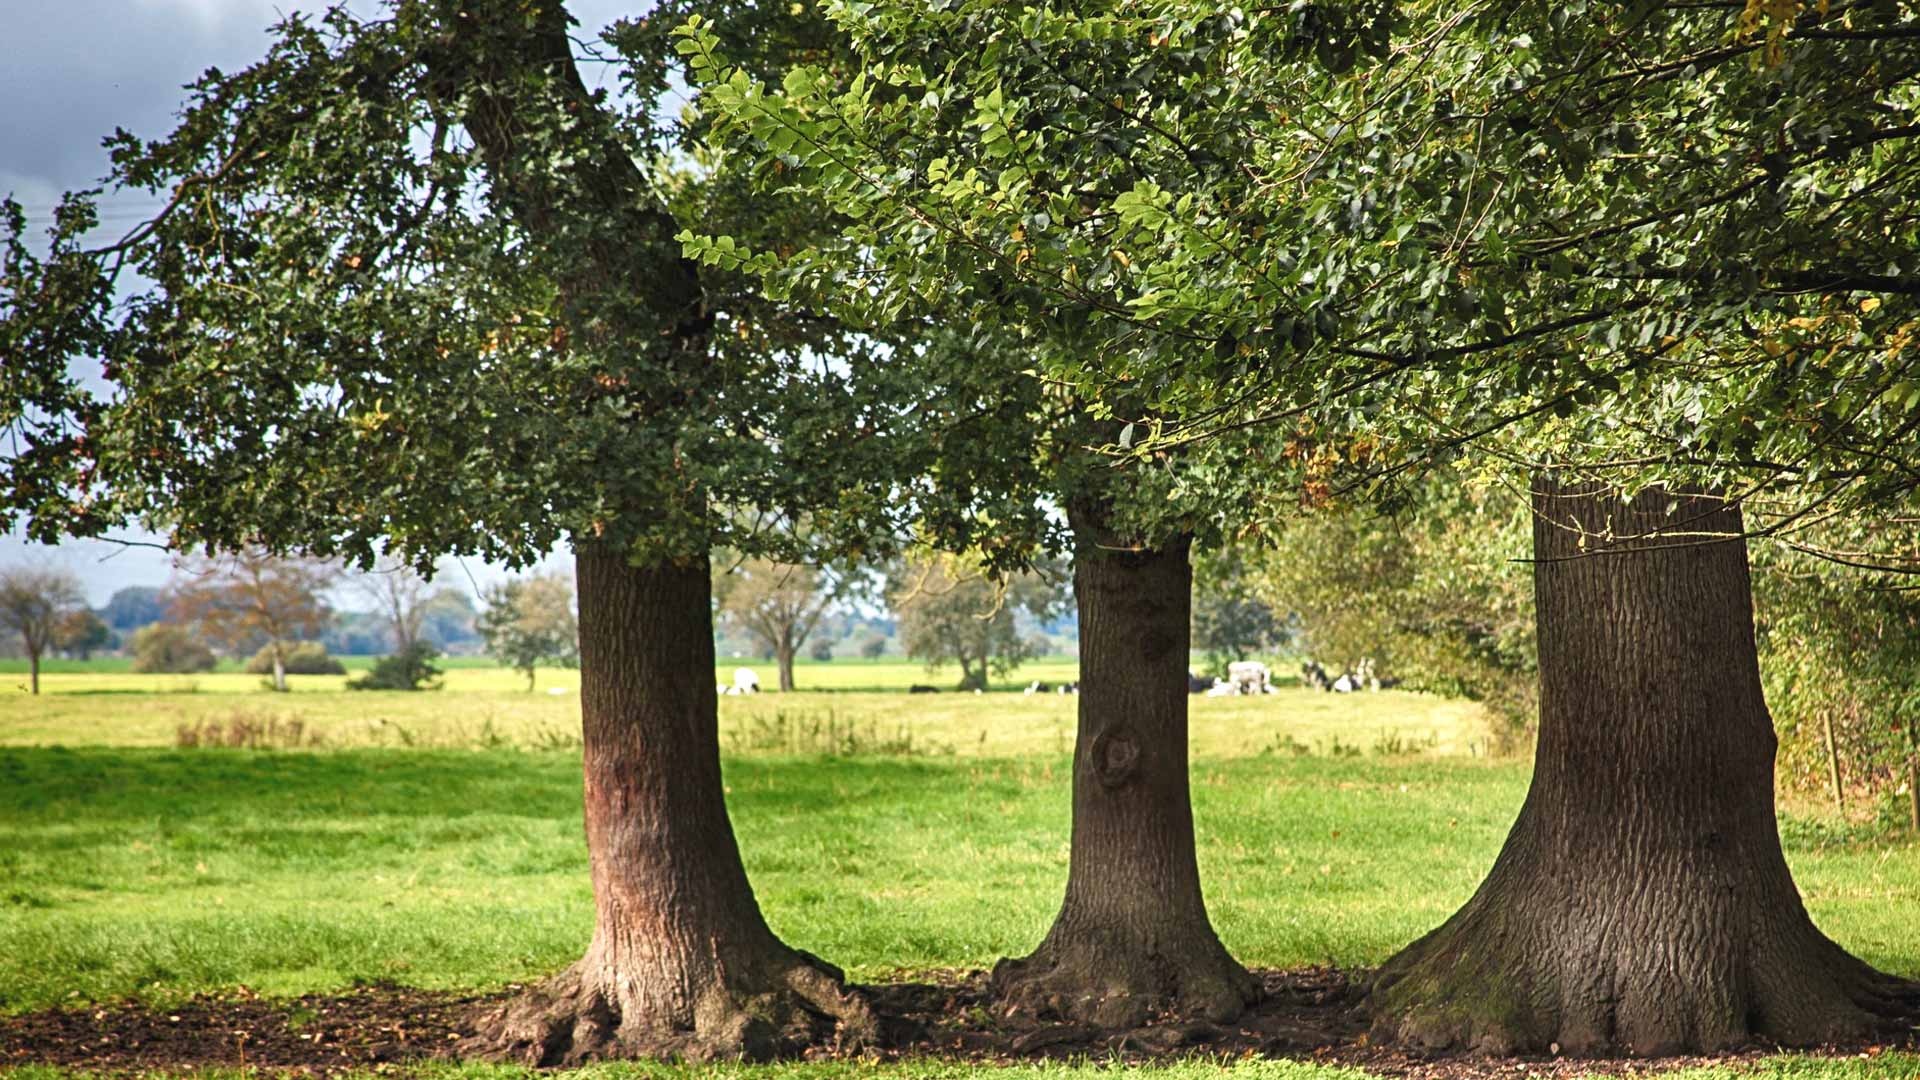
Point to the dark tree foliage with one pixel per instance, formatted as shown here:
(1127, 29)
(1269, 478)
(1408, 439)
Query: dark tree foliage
(135, 606)
(409, 669)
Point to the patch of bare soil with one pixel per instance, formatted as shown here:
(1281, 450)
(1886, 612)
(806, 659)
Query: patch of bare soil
(325, 1033)
(1314, 1014)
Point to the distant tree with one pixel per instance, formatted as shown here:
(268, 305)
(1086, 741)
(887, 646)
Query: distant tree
(1230, 620)
(135, 606)
(822, 650)
(167, 648)
(873, 646)
(80, 633)
(34, 601)
(530, 621)
(409, 669)
(776, 604)
(357, 633)
(448, 618)
(255, 597)
(399, 594)
(1435, 593)
(305, 658)
(951, 612)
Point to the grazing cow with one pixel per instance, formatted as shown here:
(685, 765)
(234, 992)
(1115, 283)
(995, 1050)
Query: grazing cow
(745, 681)
(1315, 676)
(1069, 688)
(922, 688)
(1345, 684)
(1038, 687)
(1223, 688)
(1248, 676)
(1199, 684)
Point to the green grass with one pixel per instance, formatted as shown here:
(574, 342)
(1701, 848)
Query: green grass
(160, 871)
(1332, 829)
(488, 707)
(108, 674)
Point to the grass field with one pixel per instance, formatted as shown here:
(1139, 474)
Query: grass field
(885, 832)
(115, 674)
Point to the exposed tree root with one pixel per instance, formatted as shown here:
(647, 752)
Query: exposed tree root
(589, 1012)
(1116, 980)
(1531, 988)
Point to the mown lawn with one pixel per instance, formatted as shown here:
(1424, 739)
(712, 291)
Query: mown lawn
(1332, 830)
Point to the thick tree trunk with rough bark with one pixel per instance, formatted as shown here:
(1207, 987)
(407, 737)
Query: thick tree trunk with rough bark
(1132, 937)
(681, 964)
(1642, 904)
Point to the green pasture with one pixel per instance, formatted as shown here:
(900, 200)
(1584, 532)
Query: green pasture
(115, 675)
(491, 707)
(889, 833)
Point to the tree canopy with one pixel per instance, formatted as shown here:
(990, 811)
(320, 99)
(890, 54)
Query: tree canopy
(1672, 238)
(373, 317)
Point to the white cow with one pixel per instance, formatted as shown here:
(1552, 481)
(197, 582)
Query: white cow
(1248, 677)
(745, 681)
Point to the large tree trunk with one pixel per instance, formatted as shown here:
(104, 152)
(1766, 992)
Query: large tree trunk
(279, 669)
(681, 964)
(33, 670)
(1132, 937)
(1642, 904)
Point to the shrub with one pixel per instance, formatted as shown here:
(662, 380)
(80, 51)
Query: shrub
(306, 658)
(164, 648)
(409, 669)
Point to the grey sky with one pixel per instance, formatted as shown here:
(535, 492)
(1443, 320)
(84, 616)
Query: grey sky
(71, 71)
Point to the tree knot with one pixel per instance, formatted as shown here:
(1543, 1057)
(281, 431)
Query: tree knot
(1116, 756)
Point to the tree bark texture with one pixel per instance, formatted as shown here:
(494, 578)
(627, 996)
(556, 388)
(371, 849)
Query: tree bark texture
(1132, 937)
(783, 657)
(682, 964)
(1642, 904)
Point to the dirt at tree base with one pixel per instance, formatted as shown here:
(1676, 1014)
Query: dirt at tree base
(1312, 1014)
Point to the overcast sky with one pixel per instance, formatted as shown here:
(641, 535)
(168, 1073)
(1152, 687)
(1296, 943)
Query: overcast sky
(71, 71)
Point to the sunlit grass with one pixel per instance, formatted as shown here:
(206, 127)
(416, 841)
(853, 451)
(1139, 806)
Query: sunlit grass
(887, 832)
(479, 707)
